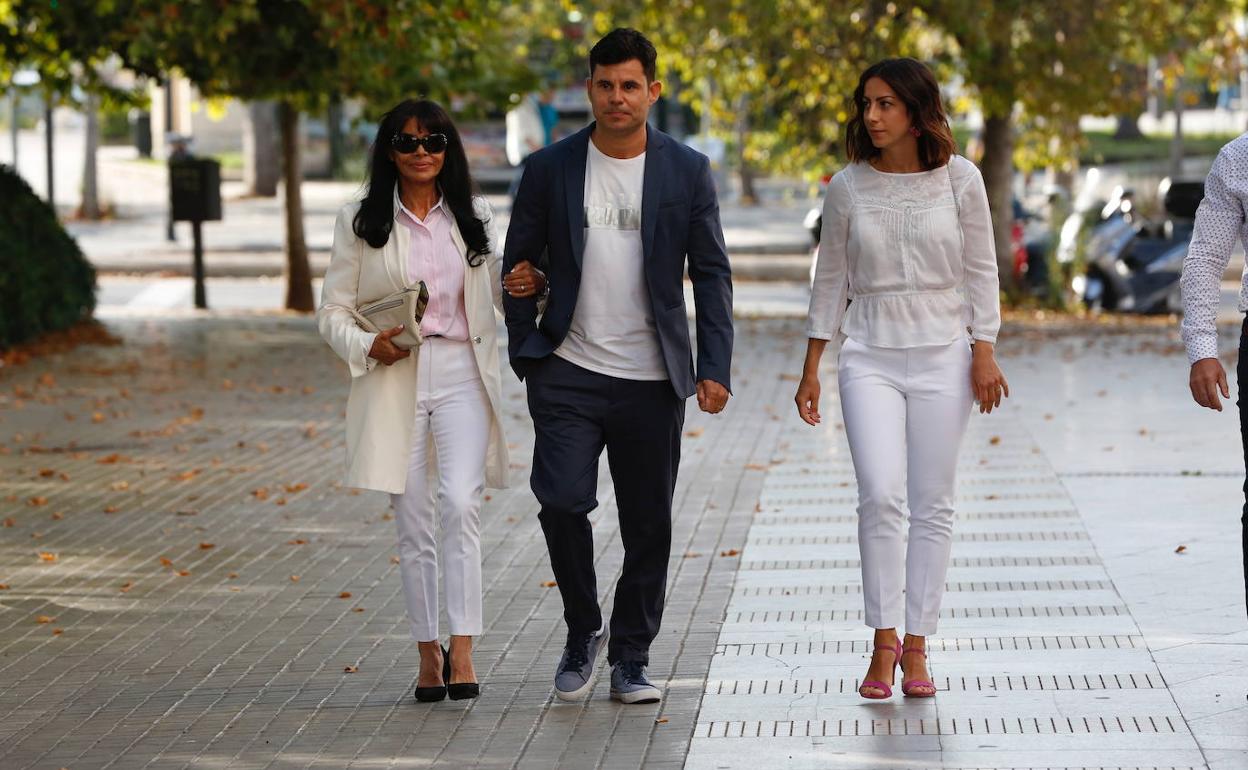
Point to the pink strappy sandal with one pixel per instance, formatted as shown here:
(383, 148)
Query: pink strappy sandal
(887, 689)
(916, 688)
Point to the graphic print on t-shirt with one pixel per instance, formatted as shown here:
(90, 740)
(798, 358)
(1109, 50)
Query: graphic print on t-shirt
(612, 330)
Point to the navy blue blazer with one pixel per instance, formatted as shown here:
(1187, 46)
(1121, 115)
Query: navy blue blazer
(679, 224)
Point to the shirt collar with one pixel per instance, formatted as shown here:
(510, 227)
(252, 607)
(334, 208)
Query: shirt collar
(400, 208)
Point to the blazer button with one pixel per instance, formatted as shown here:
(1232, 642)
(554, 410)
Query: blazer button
(476, 340)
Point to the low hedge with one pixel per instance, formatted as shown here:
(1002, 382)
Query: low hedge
(45, 281)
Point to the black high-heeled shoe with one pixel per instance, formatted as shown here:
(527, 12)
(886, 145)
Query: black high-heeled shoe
(435, 694)
(462, 690)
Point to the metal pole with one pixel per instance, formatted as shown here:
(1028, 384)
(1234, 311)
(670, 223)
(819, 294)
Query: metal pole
(201, 299)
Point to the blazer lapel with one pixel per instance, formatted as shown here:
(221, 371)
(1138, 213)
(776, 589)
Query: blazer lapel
(651, 189)
(574, 192)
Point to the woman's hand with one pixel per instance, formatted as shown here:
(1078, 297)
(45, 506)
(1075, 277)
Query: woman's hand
(386, 351)
(524, 280)
(807, 399)
(987, 381)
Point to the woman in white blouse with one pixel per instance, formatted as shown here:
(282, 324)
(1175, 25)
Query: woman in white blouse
(425, 424)
(906, 280)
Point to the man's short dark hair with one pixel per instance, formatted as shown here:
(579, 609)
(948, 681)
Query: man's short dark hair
(623, 44)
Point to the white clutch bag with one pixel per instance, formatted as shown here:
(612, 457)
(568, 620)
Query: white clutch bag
(405, 306)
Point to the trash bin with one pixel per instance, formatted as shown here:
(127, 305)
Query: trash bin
(195, 190)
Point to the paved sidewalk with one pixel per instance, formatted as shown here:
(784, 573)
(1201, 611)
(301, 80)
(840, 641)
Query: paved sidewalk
(1074, 634)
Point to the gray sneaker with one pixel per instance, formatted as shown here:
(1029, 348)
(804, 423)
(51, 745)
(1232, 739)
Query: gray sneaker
(575, 674)
(630, 685)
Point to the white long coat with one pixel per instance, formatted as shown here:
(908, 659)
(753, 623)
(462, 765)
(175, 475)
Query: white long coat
(381, 407)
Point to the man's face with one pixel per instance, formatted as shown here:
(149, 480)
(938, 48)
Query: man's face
(620, 97)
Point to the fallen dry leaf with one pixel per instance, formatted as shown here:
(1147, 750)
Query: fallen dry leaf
(232, 575)
(755, 467)
(119, 486)
(44, 619)
(186, 475)
(126, 586)
(394, 560)
(57, 631)
(357, 609)
(994, 440)
(549, 584)
(10, 522)
(260, 494)
(98, 417)
(37, 501)
(297, 541)
(661, 721)
(184, 573)
(1181, 549)
(58, 515)
(294, 578)
(344, 595)
(166, 562)
(46, 472)
(692, 555)
(45, 556)
(4, 586)
(351, 669)
(206, 546)
(111, 509)
(295, 488)
(694, 432)
(730, 552)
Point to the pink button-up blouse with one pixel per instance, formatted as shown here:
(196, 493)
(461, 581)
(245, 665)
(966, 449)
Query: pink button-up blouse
(434, 259)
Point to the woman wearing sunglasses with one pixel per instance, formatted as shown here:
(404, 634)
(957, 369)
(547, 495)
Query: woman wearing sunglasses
(425, 424)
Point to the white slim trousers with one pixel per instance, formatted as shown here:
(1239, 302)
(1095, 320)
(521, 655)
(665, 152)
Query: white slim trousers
(452, 413)
(905, 412)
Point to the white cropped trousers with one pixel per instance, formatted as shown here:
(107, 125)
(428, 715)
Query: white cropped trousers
(452, 413)
(905, 412)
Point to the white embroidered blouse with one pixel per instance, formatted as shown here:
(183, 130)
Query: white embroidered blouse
(919, 267)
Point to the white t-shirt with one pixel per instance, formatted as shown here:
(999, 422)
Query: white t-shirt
(613, 331)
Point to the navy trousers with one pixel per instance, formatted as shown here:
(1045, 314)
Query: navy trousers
(576, 414)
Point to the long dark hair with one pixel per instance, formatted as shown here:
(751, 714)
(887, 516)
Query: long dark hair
(375, 219)
(916, 87)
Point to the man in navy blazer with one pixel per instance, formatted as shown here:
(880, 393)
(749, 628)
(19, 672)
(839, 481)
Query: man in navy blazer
(613, 215)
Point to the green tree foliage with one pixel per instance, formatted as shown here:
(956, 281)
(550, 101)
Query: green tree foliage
(776, 76)
(302, 53)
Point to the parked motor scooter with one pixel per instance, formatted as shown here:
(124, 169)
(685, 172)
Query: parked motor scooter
(1133, 265)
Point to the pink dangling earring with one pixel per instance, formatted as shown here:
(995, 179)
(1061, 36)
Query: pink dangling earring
(915, 131)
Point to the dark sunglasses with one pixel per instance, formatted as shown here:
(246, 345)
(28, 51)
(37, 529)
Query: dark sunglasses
(405, 144)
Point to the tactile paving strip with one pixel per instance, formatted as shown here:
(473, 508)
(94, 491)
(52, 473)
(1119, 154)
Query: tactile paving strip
(962, 726)
(981, 561)
(852, 518)
(958, 537)
(944, 644)
(815, 616)
(771, 499)
(1029, 683)
(998, 585)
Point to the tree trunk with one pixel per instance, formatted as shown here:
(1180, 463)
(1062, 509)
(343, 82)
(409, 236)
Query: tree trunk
(261, 168)
(1176, 141)
(1128, 127)
(49, 132)
(298, 273)
(748, 194)
(90, 177)
(998, 170)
